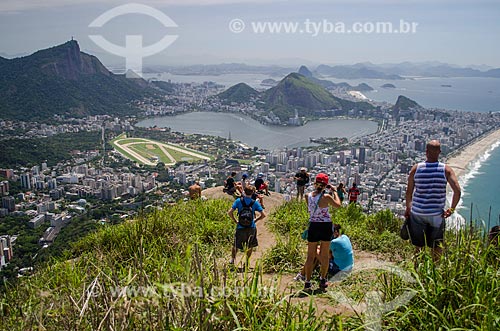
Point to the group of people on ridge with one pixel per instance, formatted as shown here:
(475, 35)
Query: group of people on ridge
(334, 254)
(331, 250)
(302, 178)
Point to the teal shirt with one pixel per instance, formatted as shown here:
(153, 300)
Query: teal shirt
(340, 193)
(343, 255)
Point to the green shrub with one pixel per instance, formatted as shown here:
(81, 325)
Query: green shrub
(384, 220)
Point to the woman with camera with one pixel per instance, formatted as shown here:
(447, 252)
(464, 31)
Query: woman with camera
(320, 227)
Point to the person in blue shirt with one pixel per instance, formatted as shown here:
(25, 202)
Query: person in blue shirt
(245, 237)
(342, 255)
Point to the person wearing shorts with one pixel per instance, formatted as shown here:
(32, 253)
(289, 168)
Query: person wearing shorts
(426, 199)
(245, 238)
(302, 178)
(426, 230)
(320, 228)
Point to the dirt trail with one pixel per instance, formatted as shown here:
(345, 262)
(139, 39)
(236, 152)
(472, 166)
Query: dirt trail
(265, 237)
(284, 282)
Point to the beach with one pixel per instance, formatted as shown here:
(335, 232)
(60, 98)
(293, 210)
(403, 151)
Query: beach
(357, 95)
(460, 162)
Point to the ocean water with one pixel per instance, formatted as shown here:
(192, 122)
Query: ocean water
(476, 94)
(481, 189)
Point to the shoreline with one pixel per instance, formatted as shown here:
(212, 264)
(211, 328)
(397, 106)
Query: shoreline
(460, 163)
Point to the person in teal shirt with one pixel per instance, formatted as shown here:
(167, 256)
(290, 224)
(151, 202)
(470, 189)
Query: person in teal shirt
(342, 259)
(341, 191)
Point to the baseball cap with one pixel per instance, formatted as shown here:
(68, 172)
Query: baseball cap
(260, 175)
(322, 178)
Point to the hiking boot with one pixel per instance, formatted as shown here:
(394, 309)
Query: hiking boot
(299, 277)
(323, 284)
(307, 286)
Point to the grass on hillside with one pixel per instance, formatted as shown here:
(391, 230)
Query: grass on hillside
(459, 292)
(166, 271)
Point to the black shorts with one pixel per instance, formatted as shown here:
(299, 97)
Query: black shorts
(426, 230)
(320, 231)
(246, 237)
(229, 191)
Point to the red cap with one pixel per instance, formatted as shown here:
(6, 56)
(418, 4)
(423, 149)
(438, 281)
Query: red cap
(322, 178)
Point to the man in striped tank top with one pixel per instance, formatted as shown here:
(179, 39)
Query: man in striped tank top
(426, 199)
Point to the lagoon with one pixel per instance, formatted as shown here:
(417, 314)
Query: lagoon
(253, 133)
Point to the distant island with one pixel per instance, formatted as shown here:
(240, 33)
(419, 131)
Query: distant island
(446, 85)
(388, 85)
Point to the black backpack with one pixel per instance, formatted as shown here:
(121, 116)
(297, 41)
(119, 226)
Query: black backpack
(245, 215)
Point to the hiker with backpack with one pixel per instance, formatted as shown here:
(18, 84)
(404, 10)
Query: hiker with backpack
(245, 237)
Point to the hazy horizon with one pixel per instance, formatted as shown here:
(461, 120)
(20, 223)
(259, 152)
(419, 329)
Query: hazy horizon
(460, 33)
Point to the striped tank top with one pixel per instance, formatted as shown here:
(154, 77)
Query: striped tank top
(429, 197)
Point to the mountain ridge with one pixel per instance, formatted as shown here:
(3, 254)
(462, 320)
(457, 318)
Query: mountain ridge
(240, 92)
(297, 91)
(353, 72)
(63, 80)
(303, 70)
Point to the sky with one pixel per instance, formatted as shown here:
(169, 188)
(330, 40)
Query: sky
(458, 32)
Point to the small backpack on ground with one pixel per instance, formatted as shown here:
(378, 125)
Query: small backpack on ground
(245, 215)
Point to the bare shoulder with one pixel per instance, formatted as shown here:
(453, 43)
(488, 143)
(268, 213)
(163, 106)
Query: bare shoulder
(413, 170)
(449, 170)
